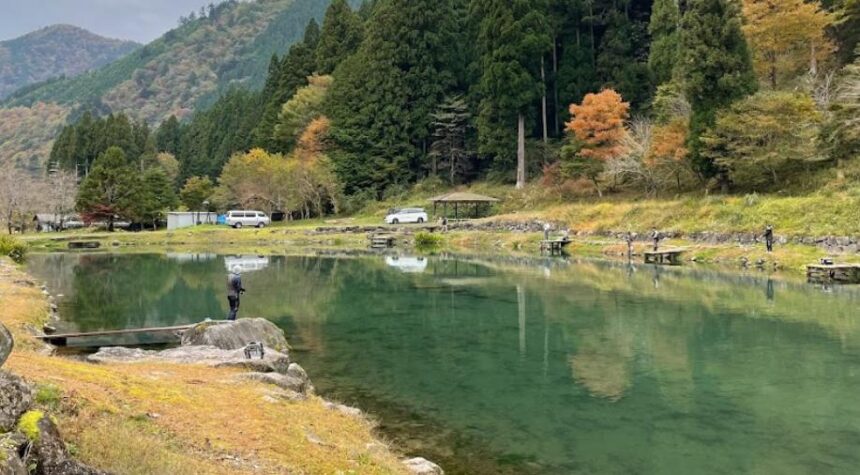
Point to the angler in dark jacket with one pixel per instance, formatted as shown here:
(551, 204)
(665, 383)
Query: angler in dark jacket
(234, 291)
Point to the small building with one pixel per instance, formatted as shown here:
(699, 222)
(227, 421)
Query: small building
(187, 219)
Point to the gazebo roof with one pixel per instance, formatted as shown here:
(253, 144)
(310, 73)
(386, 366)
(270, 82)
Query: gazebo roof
(463, 197)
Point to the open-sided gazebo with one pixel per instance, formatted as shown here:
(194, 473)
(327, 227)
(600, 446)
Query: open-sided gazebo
(459, 198)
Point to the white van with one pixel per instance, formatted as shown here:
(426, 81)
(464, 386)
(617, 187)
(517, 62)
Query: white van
(408, 215)
(238, 219)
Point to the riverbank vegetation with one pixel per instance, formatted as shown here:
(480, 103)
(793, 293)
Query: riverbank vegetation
(165, 418)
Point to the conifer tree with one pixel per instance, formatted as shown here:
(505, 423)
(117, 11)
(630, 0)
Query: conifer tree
(382, 97)
(340, 36)
(663, 29)
(169, 135)
(716, 67)
(285, 78)
(110, 190)
(512, 38)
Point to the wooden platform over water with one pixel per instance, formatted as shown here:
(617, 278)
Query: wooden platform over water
(62, 339)
(670, 257)
(381, 241)
(833, 273)
(554, 246)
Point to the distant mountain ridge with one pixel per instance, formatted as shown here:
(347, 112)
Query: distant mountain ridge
(55, 51)
(189, 66)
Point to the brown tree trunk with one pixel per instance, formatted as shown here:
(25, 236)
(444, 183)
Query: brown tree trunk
(555, 85)
(521, 152)
(543, 100)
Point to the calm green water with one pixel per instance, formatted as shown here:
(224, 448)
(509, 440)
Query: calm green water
(542, 367)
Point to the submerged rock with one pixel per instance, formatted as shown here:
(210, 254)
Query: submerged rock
(422, 466)
(272, 362)
(15, 398)
(6, 344)
(236, 335)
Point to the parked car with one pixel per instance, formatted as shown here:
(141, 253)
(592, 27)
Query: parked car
(238, 219)
(406, 215)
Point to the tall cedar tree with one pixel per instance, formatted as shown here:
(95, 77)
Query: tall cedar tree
(156, 197)
(382, 98)
(847, 31)
(286, 76)
(513, 36)
(169, 136)
(716, 68)
(622, 59)
(340, 37)
(79, 145)
(110, 190)
(663, 29)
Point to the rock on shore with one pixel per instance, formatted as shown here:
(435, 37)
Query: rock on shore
(222, 344)
(6, 344)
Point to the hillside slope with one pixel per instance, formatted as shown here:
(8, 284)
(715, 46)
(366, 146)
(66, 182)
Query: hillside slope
(189, 66)
(54, 51)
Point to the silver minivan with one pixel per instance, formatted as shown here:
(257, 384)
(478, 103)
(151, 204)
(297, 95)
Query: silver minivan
(238, 219)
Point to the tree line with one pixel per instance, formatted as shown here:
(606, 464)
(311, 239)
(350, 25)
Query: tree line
(600, 95)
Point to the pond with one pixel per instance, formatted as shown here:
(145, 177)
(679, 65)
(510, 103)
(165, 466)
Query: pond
(545, 366)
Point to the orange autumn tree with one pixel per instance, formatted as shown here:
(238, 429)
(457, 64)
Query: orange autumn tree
(597, 132)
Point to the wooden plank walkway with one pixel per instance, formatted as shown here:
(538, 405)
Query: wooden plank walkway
(670, 257)
(554, 246)
(833, 273)
(62, 339)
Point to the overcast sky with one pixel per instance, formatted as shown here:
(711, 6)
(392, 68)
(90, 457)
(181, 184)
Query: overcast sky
(138, 20)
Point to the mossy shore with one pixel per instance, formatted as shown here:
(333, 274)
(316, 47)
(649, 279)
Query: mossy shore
(170, 418)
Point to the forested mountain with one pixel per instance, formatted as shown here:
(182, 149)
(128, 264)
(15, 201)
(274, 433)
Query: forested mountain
(218, 49)
(55, 51)
(223, 45)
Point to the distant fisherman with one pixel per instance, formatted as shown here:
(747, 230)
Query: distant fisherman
(546, 229)
(768, 237)
(656, 237)
(234, 291)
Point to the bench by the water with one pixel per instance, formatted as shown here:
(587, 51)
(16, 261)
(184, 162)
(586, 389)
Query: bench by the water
(554, 246)
(84, 244)
(830, 273)
(670, 257)
(62, 339)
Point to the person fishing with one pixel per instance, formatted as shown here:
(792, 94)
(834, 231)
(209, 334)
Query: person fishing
(234, 291)
(546, 229)
(656, 237)
(768, 237)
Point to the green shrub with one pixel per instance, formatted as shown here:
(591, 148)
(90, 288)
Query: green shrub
(15, 249)
(428, 241)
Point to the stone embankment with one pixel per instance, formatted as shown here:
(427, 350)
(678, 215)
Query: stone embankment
(835, 244)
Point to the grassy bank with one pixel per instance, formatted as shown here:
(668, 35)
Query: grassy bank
(166, 418)
(834, 212)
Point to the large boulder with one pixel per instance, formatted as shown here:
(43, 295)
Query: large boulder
(273, 361)
(15, 398)
(48, 451)
(6, 343)
(236, 335)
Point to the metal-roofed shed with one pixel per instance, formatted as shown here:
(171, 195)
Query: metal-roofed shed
(458, 198)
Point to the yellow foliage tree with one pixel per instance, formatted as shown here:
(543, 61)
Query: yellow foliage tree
(787, 37)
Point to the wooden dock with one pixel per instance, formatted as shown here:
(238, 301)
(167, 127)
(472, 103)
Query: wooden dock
(62, 339)
(381, 241)
(665, 257)
(84, 245)
(829, 273)
(554, 246)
